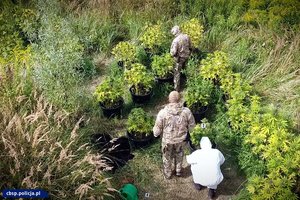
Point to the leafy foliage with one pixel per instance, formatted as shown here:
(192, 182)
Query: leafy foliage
(201, 130)
(194, 30)
(198, 92)
(138, 77)
(153, 36)
(139, 123)
(126, 52)
(56, 60)
(110, 92)
(215, 66)
(273, 13)
(162, 66)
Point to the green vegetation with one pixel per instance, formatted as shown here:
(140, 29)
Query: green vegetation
(125, 52)
(139, 123)
(162, 66)
(110, 92)
(139, 78)
(51, 52)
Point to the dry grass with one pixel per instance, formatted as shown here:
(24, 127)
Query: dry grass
(40, 150)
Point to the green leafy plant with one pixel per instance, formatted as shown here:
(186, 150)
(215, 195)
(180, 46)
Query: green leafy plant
(198, 92)
(139, 123)
(215, 66)
(57, 59)
(192, 68)
(153, 36)
(162, 66)
(126, 52)
(201, 130)
(138, 77)
(194, 30)
(110, 92)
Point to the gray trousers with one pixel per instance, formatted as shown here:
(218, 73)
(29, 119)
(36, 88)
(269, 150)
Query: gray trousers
(180, 63)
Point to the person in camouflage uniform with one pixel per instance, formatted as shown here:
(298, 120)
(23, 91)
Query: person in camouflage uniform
(180, 50)
(173, 122)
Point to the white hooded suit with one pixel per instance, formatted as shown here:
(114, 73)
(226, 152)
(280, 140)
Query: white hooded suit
(205, 164)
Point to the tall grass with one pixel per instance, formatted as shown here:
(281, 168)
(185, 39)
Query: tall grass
(271, 62)
(41, 148)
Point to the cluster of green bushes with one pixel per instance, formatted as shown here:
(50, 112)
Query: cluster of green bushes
(54, 43)
(269, 151)
(41, 145)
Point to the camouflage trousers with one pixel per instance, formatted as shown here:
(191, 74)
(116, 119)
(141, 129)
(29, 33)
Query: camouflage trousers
(171, 153)
(180, 63)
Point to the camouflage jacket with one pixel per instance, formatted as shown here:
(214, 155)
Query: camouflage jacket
(181, 46)
(173, 122)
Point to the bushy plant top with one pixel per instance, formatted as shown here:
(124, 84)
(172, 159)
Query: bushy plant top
(198, 92)
(234, 85)
(57, 57)
(215, 66)
(273, 13)
(110, 92)
(153, 36)
(126, 52)
(201, 130)
(162, 65)
(194, 30)
(139, 78)
(192, 68)
(139, 122)
(28, 21)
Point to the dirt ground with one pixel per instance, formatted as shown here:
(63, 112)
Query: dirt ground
(182, 188)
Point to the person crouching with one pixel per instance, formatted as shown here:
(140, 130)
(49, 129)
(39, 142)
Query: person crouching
(205, 166)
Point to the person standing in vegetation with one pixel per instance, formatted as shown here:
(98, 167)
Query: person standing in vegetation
(173, 122)
(205, 165)
(180, 50)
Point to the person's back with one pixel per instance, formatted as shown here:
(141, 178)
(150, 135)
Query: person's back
(205, 166)
(176, 120)
(173, 122)
(181, 46)
(180, 50)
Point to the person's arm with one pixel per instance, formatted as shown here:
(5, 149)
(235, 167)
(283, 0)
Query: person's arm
(174, 47)
(190, 159)
(191, 120)
(221, 158)
(158, 127)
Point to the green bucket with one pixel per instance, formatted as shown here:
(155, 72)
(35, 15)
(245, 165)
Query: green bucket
(129, 192)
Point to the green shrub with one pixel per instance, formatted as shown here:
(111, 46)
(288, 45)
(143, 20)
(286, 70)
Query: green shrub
(194, 30)
(110, 92)
(162, 66)
(57, 59)
(153, 37)
(198, 92)
(215, 66)
(201, 130)
(138, 77)
(139, 123)
(126, 52)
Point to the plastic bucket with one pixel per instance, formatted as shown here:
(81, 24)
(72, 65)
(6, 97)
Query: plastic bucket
(129, 192)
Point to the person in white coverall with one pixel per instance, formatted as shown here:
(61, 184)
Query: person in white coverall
(205, 166)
